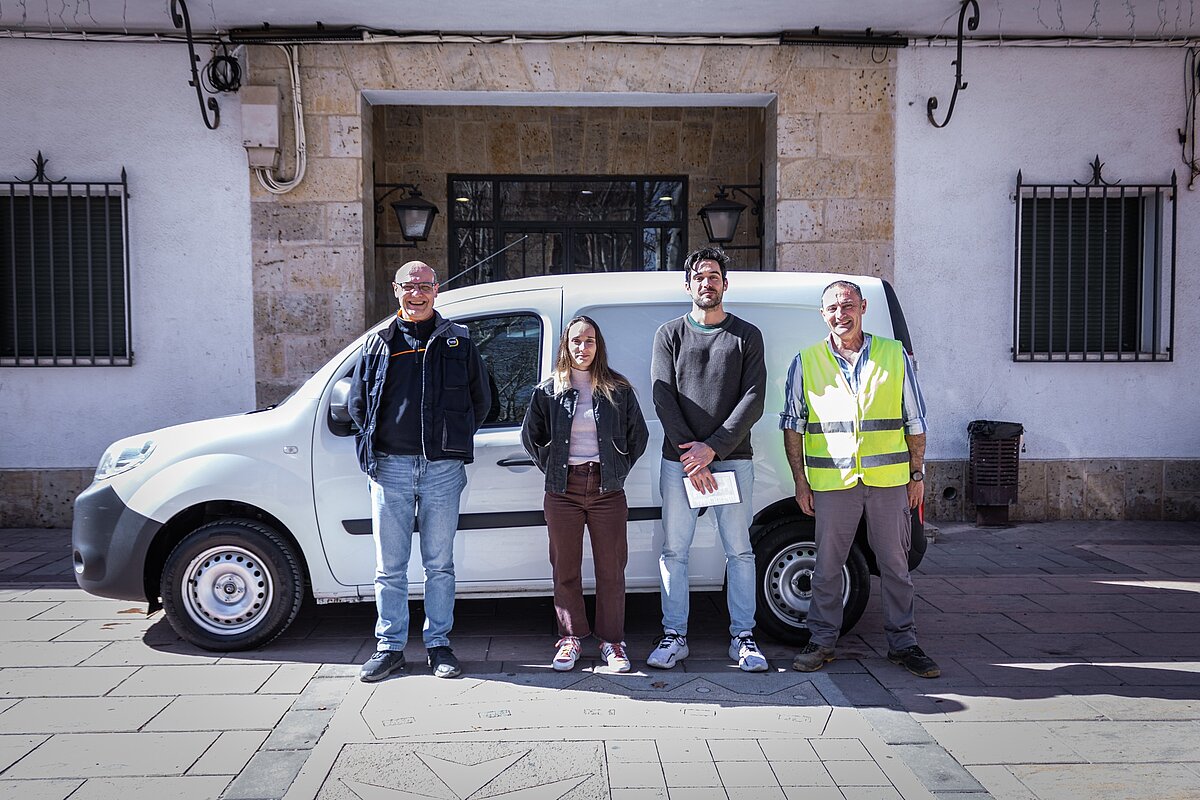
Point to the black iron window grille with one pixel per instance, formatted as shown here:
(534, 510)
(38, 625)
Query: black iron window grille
(1095, 271)
(564, 224)
(64, 272)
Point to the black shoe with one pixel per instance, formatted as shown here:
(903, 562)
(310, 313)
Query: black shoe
(915, 661)
(380, 665)
(443, 663)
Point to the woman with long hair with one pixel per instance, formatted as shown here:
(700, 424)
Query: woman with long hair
(585, 430)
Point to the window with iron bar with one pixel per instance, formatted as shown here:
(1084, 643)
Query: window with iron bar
(64, 273)
(1095, 271)
(515, 226)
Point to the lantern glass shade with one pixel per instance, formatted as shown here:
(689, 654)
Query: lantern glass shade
(721, 219)
(415, 214)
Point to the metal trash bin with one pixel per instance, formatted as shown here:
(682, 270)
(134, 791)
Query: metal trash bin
(993, 468)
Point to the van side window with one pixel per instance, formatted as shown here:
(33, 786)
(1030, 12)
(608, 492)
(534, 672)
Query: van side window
(510, 346)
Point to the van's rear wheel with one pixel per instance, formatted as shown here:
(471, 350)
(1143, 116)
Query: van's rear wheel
(786, 556)
(232, 585)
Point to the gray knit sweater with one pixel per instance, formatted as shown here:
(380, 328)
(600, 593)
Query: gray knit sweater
(709, 385)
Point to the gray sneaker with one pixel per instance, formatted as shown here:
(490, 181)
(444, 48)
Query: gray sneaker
(443, 663)
(380, 665)
(669, 649)
(745, 652)
(812, 657)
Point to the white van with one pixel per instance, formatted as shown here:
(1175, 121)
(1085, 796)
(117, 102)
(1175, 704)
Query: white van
(228, 523)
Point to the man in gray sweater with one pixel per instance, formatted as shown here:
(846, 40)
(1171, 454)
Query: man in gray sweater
(709, 380)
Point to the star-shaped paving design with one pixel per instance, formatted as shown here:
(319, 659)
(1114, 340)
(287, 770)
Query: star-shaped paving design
(467, 781)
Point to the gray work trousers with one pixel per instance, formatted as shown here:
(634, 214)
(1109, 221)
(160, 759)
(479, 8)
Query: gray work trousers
(889, 531)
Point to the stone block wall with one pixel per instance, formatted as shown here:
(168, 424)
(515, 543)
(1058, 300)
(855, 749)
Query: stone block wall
(1133, 489)
(308, 244)
(40, 498)
(836, 166)
(829, 164)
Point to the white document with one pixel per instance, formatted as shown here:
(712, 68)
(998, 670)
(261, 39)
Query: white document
(726, 493)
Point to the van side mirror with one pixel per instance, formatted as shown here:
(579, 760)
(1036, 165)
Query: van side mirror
(340, 423)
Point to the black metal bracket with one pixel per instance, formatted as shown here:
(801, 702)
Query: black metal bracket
(959, 83)
(756, 208)
(1097, 178)
(39, 175)
(181, 19)
(379, 208)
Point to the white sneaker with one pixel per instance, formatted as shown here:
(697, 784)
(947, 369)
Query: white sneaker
(670, 648)
(567, 655)
(743, 650)
(614, 653)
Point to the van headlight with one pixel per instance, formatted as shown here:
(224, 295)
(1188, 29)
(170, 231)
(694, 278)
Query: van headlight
(123, 456)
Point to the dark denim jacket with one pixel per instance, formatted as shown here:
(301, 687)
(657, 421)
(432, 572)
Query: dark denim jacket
(455, 397)
(620, 428)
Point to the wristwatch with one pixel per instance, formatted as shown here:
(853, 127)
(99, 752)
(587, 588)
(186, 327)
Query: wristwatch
(917, 475)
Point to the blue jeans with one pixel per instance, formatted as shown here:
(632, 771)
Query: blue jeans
(679, 527)
(408, 488)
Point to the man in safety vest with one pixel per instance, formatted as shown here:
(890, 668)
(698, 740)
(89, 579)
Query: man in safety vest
(854, 430)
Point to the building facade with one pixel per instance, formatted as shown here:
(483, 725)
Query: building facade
(238, 294)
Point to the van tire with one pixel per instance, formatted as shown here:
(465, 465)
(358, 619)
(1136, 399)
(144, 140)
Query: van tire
(785, 555)
(233, 584)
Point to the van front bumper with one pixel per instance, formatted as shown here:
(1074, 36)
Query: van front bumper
(109, 543)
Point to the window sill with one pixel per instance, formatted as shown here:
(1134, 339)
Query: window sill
(1138, 357)
(67, 361)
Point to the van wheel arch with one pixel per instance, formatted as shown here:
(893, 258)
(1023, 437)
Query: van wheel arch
(786, 508)
(188, 520)
(232, 584)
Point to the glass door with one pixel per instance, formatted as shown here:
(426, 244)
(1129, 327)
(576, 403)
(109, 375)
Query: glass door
(524, 226)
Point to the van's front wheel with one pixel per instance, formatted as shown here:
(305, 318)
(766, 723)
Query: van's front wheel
(232, 585)
(786, 555)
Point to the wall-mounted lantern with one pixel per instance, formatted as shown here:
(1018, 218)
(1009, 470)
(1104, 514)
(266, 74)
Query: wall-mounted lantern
(414, 213)
(722, 215)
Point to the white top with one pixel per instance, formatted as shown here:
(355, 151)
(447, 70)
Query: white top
(585, 445)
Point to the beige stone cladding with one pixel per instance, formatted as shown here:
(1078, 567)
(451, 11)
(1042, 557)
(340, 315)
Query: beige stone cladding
(40, 498)
(709, 146)
(825, 141)
(1119, 488)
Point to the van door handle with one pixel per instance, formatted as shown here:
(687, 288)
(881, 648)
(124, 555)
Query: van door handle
(515, 462)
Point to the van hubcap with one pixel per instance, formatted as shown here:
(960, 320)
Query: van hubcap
(230, 589)
(787, 584)
(227, 590)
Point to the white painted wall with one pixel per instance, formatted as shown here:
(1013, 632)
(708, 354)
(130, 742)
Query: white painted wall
(1047, 112)
(93, 109)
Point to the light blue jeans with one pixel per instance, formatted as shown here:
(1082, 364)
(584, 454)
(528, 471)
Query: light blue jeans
(679, 527)
(408, 489)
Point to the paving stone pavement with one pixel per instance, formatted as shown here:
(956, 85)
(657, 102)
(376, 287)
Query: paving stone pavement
(1070, 655)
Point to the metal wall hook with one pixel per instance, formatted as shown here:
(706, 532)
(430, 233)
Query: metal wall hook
(181, 19)
(959, 83)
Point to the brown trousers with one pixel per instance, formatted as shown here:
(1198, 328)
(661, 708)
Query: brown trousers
(606, 516)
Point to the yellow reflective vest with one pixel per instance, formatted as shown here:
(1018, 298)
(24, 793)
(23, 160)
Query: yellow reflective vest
(853, 437)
